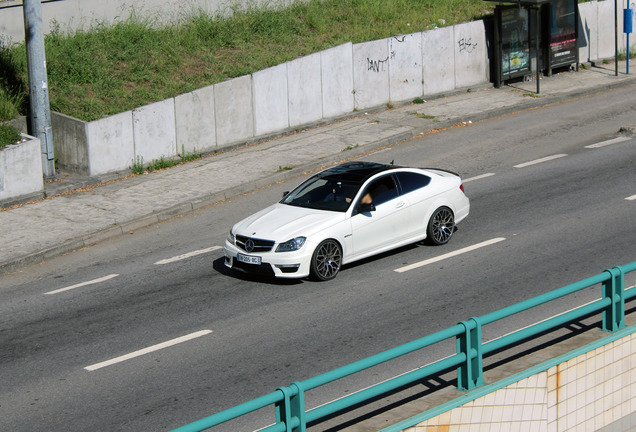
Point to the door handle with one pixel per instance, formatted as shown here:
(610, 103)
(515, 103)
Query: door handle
(400, 204)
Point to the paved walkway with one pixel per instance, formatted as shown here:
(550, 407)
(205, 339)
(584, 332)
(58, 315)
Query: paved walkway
(84, 215)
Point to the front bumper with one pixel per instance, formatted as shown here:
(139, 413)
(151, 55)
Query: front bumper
(294, 264)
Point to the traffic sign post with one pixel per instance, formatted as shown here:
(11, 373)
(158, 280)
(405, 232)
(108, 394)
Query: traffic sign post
(628, 19)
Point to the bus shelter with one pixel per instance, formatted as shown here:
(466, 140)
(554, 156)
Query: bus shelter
(531, 36)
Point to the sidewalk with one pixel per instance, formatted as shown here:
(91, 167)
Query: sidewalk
(85, 215)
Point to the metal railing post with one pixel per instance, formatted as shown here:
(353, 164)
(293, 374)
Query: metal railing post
(470, 373)
(291, 410)
(614, 290)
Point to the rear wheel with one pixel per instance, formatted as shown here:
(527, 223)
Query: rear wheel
(326, 260)
(441, 226)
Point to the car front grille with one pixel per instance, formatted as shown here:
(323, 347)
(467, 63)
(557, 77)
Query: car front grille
(259, 244)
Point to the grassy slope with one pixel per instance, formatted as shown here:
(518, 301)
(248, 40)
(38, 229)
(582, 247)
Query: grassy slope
(114, 68)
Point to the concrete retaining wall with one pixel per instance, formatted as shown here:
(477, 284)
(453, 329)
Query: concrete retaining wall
(405, 67)
(195, 121)
(154, 130)
(471, 54)
(282, 98)
(271, 107)
(596, 31)
(438, 60)
(109, 144)
(371, 74)
(595, 390)
(70, 143)
(233, 110)
(21, 169)
(337, 80)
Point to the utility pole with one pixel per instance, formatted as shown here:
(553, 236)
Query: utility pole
(38, 84)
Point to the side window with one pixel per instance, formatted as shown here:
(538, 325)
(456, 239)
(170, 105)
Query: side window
(412, 181)
(381, 190)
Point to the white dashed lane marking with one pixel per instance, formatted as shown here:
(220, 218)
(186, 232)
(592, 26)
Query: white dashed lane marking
(538, 161)
(79, 285)
(187, 255)
(449, 255)
(608, 142)
(148, 350)
(479, 177)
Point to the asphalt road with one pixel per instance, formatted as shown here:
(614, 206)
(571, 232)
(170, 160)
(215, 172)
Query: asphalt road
(81, 335)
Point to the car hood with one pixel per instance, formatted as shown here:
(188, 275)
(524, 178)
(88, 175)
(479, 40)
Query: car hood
(281, 222)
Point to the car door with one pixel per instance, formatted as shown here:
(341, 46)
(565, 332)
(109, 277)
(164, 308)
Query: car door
(382, 227)
(416, 188)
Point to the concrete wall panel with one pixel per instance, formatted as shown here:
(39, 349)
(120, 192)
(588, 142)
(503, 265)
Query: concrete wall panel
(21, 169)
(588, 31)
(69, 143)
(154, 130)
(233, 110)
(337, 80)
(110, 143)
(304, 90)
(438, 60)
(471, 54)
(271, 109)
(371, 73)
(195, 121)
(605, 26)
(405, 67)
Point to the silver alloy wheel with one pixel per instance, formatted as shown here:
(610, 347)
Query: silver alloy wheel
(326, 261)
(441, 226)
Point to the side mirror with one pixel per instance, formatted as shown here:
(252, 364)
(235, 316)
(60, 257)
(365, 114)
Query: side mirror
(285, 194)
(366, 208)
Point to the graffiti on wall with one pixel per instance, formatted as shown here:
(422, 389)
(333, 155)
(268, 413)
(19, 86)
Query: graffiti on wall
(376, 65)
(466, 45)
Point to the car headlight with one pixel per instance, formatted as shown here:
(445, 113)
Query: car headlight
(230, 237)
(291, 245)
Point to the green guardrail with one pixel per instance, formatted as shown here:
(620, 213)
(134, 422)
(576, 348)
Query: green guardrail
(289, 402)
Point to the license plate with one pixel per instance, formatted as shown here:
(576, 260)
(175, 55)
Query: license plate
(248, 259)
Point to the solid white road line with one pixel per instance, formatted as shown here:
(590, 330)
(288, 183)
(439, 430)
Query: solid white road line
(148, 350)
(538, 161)
(631, 198)
(608, 142)
(479, 177)
(449, 255)
(188, 255)
(105, 278)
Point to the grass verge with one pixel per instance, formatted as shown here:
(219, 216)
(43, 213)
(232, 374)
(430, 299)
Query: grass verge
(111, 68)
(9, 135)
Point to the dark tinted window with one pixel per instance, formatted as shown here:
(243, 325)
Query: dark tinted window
(382, 190)
(411, 181)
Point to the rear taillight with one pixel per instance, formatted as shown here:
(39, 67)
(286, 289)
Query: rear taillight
(461, 186)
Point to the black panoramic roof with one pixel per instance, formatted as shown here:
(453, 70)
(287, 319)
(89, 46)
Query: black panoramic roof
(355, 172)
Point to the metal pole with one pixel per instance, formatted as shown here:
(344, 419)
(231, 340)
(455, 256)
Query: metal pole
(616, 37)
(38, 84)
(537, 48)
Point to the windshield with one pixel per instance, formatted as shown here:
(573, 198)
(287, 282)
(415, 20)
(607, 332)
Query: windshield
(323, 193)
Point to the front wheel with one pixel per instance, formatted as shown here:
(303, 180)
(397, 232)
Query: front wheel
(441, 226)
(326, 260)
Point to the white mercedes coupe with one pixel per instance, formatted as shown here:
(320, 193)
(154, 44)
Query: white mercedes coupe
(344, 214)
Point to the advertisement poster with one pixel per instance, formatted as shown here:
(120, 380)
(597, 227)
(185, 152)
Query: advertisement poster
(515, 56)
(562, 20)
